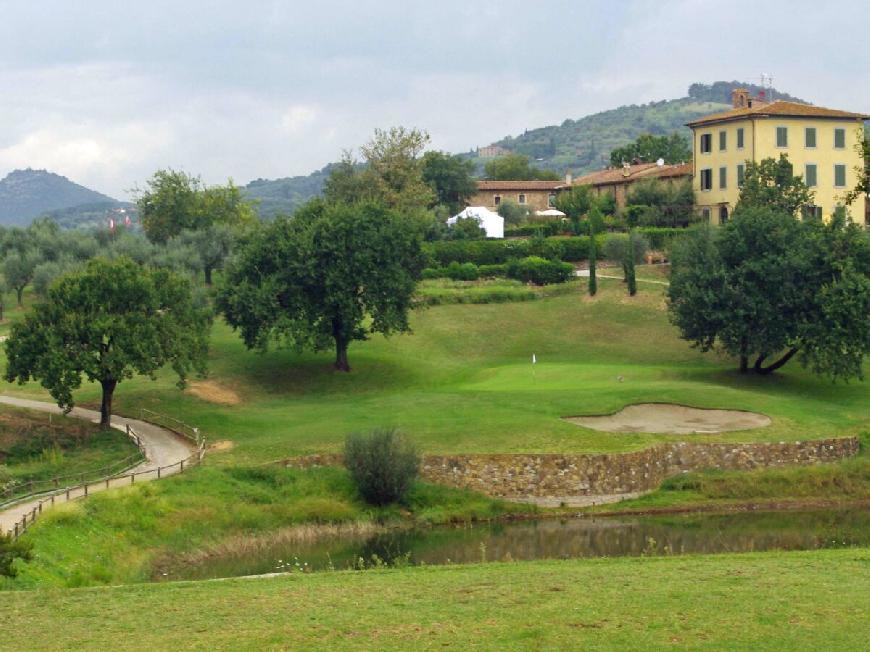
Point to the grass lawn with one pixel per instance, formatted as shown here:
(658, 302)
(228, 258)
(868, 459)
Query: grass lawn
(773, 601)
(464, 382)
(36, 446)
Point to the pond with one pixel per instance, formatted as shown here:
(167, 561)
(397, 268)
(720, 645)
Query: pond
(543, 539)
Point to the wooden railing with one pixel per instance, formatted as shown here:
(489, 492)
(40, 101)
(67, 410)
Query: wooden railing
(119, 479)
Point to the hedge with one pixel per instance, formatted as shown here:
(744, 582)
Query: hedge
(539, 271)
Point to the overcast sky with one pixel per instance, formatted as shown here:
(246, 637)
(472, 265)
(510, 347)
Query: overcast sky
(105, 92)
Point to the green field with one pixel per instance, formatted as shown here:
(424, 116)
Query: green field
(463, 382)
(771, 601)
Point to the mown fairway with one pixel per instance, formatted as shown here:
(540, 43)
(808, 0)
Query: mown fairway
(463, 382)
(771, 601)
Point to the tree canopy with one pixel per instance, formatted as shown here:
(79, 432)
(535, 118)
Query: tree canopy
(332, 274)
(769, 287)
(451, 178)
(653, 202)
(108, 322)
(648, 148)
(771, 183)
(516, 167)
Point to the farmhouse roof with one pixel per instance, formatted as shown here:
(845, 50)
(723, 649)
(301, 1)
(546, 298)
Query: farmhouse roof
(779, 108)
(632, 173)
(486, 184)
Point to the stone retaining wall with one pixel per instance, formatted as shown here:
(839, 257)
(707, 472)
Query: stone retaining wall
(554, 475)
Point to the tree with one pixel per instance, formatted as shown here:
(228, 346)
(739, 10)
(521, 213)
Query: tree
(395, 170)
(628, 265)
(334, 273)
(212, 245)
(467, 228)
(516, 167)
(648, 148)
(653, 202)
(862, 187)
(18, 270)
(108, 322)
(451, 178)
(575, 203)
(769, 287)
(771, 183)
(513, 213)
(596, 223)
(628, 249)
(175, 202)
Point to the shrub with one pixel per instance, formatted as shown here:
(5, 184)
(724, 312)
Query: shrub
(382, 464)
(490, 271)
(10, 551)
(430, 273)
(660, 237)
(462, 271)
(539, 271)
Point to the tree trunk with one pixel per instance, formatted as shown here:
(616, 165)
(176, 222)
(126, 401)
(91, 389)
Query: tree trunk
(744, 363)
(341, 342)
(207, 270)
(19, 292)
(765, 371)
(106, 406)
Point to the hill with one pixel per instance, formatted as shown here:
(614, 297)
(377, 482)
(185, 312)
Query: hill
(26, 194)
(579, 145)
(584, 144)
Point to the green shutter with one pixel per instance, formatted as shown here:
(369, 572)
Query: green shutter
(741, 174)
(810, 136)
(782, 136)
(840, 176)
(840, 138)
(740, 138)
(723, 178)
(811, 177)
(723, 140)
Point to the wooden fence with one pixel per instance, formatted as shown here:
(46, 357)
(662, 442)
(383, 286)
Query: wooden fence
(119, 479)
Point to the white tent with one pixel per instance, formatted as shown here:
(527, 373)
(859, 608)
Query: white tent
(492, 223)
(550, 212)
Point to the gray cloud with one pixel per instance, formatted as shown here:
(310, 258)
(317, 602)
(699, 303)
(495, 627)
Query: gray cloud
(106, 92)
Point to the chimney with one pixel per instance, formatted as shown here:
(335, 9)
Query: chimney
(740, 98)
(569, 179)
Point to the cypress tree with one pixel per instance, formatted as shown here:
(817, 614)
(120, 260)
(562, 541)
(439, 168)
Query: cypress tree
(628, 265)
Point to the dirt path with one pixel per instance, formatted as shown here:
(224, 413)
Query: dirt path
(162, 448)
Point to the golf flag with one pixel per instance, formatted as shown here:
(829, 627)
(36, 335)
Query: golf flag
(534, 359)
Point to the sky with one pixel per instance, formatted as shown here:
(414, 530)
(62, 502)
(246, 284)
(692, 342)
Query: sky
(106, 92)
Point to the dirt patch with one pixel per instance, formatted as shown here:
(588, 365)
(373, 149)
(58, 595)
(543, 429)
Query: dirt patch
(672, 419)
(222, 446)
(213, 392)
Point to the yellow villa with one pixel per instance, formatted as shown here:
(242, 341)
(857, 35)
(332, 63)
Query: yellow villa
(821, 144)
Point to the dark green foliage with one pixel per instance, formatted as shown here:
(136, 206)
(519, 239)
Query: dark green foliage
(546, 228)
(648, 148)
(467, 228)
(771, 183)
(108, 322)
(593, 256)
(627, 250)
(10, 551)
(513, 213)
(332, 274)
(575, 203)
(516, 167)
(652, 202)
(382, 464)
(770, 287)
(539, 271)
(628, 262)
(450, 177)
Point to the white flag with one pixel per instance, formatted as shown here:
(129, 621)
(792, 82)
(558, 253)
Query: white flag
(534, 359)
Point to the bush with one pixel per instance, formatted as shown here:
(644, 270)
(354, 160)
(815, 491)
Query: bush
(544, 228)
(660, 237)
(430, 273)
(616, 247)
(462, 271)
(492, 271)
(382, 464)
(539, 271)
(10, 551)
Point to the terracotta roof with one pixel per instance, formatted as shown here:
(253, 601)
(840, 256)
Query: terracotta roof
(778, 108)
(520, 185)
(618, 175)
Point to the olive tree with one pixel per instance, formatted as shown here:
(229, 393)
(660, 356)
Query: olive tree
(108, 322)
(331, 274)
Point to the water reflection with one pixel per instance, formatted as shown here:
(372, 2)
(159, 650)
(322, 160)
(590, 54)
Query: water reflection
(551, 538)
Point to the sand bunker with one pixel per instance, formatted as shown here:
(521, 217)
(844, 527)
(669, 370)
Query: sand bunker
(672, 419)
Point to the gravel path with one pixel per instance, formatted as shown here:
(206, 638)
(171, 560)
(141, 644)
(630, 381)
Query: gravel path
(162, 448)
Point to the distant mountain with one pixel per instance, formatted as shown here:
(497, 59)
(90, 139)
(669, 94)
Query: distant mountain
(580, 145)
(26, 194)
(584, 144)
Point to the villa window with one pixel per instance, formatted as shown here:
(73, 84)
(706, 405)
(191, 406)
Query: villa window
(810, 136)
(723, 178)
(840, 138)
(551, 200)
(521, 199)
(723, 141)
(811, 175)
(707, 179)
(740, 138)
(705, 213)
(782, 136)
(706, 143)
(741, 174)
(839, 175)
(496, 200)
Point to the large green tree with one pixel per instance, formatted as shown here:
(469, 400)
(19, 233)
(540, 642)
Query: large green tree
(771, 183)
(332, 274)
(767, 287)
(516, 167)
(653, 202)
(862, 187)
(108, 322)
(649, 148)
(451, 178)
(18, 268)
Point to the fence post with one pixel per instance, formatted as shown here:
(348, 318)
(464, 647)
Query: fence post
(132, 478)
(182, 466)
(16, 529)
(86, 489)
(107, 483)
(40, 507)
(158, 472)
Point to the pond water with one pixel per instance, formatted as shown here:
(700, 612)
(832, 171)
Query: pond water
(545, 539)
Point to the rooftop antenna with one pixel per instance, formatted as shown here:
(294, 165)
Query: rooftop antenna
(767, 85)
